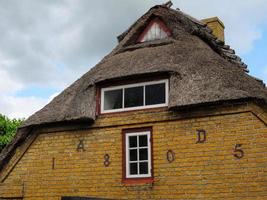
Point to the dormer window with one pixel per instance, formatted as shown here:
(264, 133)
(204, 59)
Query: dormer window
(134, 96)
(155, 30)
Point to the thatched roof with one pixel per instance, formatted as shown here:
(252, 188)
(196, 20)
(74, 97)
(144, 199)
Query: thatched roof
(201, 68)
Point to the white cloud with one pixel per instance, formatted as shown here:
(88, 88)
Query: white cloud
(7, 85)
(20, 107)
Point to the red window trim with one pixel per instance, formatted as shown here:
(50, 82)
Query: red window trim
(155, 20)
(98, 101)
(129, 181)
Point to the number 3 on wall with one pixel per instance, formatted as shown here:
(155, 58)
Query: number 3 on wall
(238, 152)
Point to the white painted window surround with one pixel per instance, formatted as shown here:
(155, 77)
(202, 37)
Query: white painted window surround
(119, 95)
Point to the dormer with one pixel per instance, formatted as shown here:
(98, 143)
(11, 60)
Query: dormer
(155, 30)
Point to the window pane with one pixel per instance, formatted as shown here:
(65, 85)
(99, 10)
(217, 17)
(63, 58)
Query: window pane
(143, 154)
(143, 168)
(134, 97)
(133, 141)
(133, 155)
(142, 140)
(113, 99)
(133, 168)
(155, 94)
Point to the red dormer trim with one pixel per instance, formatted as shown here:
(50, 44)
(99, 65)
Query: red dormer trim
(161, 24)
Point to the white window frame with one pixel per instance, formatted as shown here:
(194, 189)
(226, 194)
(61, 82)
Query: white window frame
(127, 156)
(123, 87)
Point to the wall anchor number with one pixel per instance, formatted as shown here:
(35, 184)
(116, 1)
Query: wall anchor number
(80, 146)
(201, 136)
(170, 156)
(238, 152)
(53, 163)
(106, 160)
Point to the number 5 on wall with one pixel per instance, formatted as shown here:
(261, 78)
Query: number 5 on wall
(238, 152)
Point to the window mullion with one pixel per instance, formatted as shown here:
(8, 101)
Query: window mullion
(149, 153)
(142, 147)
(138, 171)
(127, 156)
(144, 97)
(166, 92)
(123, 97)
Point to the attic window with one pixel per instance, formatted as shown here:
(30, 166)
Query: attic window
(155, 30)
(134, 96)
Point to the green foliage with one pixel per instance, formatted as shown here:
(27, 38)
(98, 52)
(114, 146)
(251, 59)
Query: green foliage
(8, 128)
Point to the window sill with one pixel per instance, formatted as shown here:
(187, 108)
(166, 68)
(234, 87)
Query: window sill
(137, 181)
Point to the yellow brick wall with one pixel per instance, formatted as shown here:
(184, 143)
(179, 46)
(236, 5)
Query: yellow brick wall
(199, 171)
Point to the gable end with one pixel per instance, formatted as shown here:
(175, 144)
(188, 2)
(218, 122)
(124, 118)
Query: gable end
(155, 30)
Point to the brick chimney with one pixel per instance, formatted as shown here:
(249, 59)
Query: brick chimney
(216, 25)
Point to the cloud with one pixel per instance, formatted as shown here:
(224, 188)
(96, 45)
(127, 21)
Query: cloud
(7, 85)
(42, 36)
(17, 107)
(20, 107)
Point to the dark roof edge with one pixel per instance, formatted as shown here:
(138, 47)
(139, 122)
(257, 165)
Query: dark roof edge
(256, 100)
(9, 150)
(71, 121)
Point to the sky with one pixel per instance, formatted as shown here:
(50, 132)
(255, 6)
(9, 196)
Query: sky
(46, 45)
